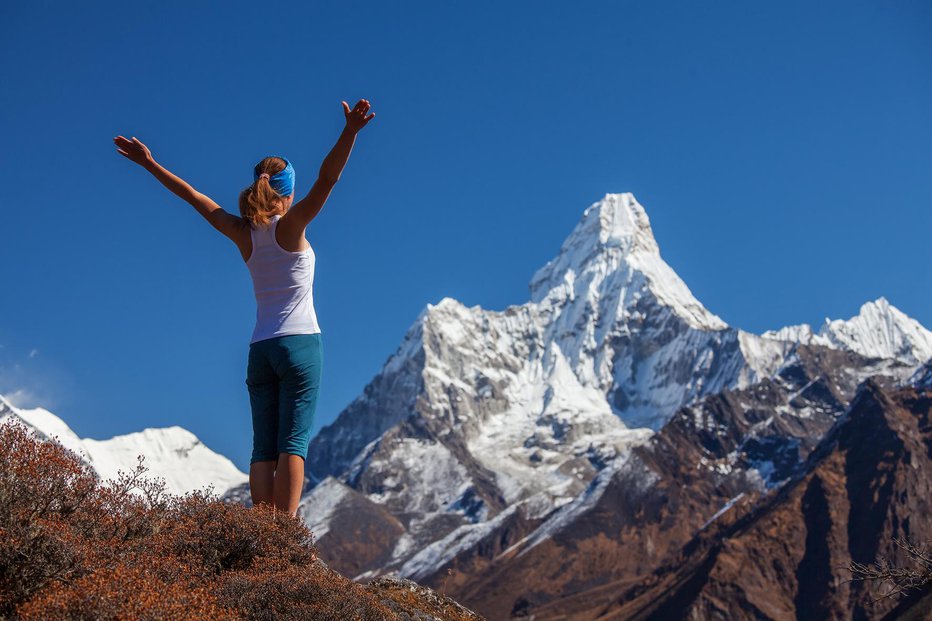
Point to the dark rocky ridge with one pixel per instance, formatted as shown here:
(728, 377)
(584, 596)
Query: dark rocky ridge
(868, 482)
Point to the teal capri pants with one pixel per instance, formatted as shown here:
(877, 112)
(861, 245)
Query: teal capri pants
(283, 377)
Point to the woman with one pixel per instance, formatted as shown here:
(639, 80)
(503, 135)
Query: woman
(285, 352)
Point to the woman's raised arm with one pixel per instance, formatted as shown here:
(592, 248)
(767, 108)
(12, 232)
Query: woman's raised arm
(302, 212)
(225, 222)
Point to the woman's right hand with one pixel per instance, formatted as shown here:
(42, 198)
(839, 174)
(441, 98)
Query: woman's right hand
(356, 118)
(133, 150)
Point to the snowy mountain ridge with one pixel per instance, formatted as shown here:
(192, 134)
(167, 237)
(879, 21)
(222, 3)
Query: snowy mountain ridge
(172, 453)
(879, 330)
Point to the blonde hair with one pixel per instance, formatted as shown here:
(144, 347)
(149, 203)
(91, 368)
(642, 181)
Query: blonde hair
(259, 202)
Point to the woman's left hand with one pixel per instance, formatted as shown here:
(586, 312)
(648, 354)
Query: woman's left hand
(133, 150)
(356, 118)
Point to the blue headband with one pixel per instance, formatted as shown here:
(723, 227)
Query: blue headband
(282, 182)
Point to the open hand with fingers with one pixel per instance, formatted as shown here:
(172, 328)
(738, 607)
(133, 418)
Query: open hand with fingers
(133, 150)
(356, 118)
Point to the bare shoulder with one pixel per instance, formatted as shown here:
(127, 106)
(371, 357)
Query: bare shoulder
(290, 234)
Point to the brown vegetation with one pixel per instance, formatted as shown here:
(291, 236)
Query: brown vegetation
(73, 547)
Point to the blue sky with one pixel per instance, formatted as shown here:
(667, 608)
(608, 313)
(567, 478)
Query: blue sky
(780, 149)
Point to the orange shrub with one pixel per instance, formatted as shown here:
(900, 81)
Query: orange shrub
(295, 593)
(42, 489)
(73, 547)
(124, 592)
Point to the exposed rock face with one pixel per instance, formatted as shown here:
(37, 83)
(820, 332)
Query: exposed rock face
(923, 377)
(579, 441)
(869, 481)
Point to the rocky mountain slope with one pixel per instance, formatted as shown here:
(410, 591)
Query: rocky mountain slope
(868, 482)
(712, 463)
(173, 453)
(490, 435)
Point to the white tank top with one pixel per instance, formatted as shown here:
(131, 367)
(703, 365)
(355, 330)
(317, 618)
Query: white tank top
(283, 282)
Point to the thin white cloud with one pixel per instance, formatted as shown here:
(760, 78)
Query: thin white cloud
(30, 380)
(22, 398)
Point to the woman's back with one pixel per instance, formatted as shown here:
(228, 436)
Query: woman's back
(283, 284)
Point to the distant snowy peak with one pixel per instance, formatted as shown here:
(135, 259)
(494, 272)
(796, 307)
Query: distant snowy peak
(879, 330)
(613, 248)
(172, 453)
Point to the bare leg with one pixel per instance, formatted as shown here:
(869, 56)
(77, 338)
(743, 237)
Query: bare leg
(261, 478)
(289, 479)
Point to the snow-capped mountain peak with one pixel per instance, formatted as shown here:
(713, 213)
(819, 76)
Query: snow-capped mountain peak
(879, 330)
(617, 220)
(883, 331)
(623, 222)
(612, 253)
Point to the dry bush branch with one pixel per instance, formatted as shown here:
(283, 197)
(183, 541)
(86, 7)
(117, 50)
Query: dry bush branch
(896, 579)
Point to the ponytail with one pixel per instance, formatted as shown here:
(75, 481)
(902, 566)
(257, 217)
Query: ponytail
(259, 202)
